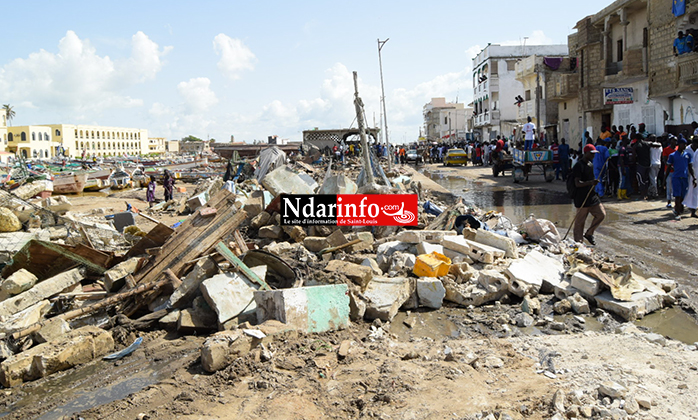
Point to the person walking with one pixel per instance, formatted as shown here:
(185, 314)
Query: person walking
(655, 165)
(586, 200)
(564, 155)
(668, 172)
(644, 162)
(691, 200)
(150, 193)
(681, 162)
(168, 184)
(555, 148)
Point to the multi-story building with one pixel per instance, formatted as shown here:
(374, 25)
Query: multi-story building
(172, 146)
(94, 140)
(157, 145)
(562, 92)
(32, 142)
(445, 120)
(194, 147)
(533, 72)
(495, 88)
(673, 79)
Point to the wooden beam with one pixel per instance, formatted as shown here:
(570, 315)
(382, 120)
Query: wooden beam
(73, 256)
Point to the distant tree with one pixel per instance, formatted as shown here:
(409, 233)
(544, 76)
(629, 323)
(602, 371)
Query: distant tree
(191, 138)
(10, 112)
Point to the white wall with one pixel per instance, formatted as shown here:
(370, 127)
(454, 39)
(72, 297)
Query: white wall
(642, 110)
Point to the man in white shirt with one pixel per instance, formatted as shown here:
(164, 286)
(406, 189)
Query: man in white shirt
(529, 130)
(655, 165)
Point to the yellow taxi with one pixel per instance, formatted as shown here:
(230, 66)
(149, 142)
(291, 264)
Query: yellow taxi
(456, 157)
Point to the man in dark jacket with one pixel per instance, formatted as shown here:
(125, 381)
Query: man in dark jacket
(586, 200)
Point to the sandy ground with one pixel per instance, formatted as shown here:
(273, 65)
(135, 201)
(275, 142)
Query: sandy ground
(453, 363)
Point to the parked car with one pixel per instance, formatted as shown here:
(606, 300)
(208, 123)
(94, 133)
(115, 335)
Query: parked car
(414, 156)
(456, 157)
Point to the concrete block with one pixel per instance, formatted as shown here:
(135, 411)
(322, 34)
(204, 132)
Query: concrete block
(336, 238)
(169, 321)
(579, 304)
(75, 347)
(641, 304)
(189, 288)
(469, 294)
(359, 274)
(114, 278)
(428, 248)
(498, 241)
(254, 205)
(457, 257)
(315, 243)
(456, 243)
(297, 233)
(493, 281)
(41, 291)
(121, 220)
(401, 261)
(366, 243)
(587, 285)
(483, 253)
(20, 281)
(262, 219)
(386, 250)
(220, 349)
(193, 320)
(527, 275)
(431, 236)
(310, 309)
(373, 264)
(431, 292)
(564, 289)
(386, 295)
(271, 232)
(25, 317)
(229, 295)
(197, 201)
(284, 180)
(52, 330)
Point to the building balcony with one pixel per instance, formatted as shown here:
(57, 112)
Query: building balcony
(688, 70)
(565, 86)
(487, 118)
(526, 109)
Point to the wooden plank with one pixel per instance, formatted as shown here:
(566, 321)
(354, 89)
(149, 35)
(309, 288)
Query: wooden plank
(197, 235)
(228, 255)
(154, 239)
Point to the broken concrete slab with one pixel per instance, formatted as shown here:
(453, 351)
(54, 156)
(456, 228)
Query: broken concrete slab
(373, 265)
(467, 294)
(221, 348)
(169, 321)
(428, 248)
(229, 295)
(357, 303)
(366, 243)
(53, 329)
(359, 274)
(254, 205)
(457, 257)
(564, 289)
(579, 304)
(41, 291)
(456, 243)
(431, 292)
(25, 317)
(386, 250)
(338, 184)
(75, 347)
(640, 304)
(431, 236)
(498, 241)
(115, 277)
(271, 232)
(297, 233)
(587, 285)
(386, 295)
(284, 180)
(310, 309)
(196, 320)
(484, 253)
(315, 243)
(336, 238)
(262, 219)
(666, 284)
(20, 281)
(189, 288)
(402, 262)
(493, 281)
(527, 275)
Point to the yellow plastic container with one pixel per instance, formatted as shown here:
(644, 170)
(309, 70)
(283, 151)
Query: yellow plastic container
(432, 265)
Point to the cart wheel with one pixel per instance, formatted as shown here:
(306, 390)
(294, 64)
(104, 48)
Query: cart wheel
(518, 175)
(549, 173)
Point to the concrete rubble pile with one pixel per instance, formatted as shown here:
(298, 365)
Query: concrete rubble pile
(232, 271)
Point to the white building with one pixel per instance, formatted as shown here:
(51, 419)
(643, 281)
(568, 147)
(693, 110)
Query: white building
(446, 120)
(495, 87)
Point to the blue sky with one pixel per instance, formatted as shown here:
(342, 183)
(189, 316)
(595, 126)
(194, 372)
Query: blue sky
(213, 69)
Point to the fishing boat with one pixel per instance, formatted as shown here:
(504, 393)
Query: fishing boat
(94, 184)
(119, 180)
(69, 183)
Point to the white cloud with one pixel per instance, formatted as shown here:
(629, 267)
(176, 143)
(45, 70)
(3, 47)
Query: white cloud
(197, 94)
(77, 78)
(235, 56)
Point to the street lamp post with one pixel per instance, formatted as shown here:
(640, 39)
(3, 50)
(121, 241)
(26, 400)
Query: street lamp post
(385, 116)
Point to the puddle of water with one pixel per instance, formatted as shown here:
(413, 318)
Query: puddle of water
(431, 324)
(673, 323)
(71, 386)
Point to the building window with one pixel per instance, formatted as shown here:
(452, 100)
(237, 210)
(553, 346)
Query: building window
(511, 65)
(34, 136)
(9, 136)
(527, 95)
(58, 133)
(24, 136)
(565, 105)
(619, 50)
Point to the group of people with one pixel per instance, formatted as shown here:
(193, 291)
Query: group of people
(168, 185)
(624, 163)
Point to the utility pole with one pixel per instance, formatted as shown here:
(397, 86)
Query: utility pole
(359, 105)
(539, 123)
(385, 116)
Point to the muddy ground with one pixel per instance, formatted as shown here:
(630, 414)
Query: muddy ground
(452, 363)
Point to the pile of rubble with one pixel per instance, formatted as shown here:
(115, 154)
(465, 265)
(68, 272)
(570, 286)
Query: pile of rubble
(232, 269)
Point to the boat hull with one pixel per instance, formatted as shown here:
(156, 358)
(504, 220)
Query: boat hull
(69, 184)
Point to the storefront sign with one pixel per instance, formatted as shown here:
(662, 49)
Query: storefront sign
(617, 96)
